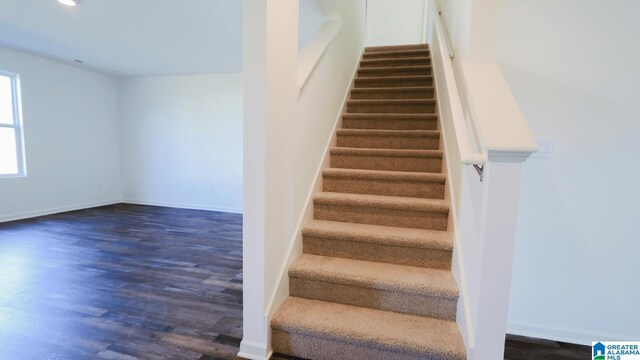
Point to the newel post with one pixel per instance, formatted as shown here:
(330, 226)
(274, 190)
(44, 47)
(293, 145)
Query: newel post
(508, 142)
(499, 217)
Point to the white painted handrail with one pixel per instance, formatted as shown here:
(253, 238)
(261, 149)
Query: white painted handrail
(484, 114)
(464, 123)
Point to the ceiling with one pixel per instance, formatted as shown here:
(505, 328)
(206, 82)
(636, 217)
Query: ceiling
(129, 37)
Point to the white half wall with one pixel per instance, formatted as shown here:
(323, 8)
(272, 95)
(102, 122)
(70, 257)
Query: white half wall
(572, 67)
(181, 141)
(70, 120)
(392, 22)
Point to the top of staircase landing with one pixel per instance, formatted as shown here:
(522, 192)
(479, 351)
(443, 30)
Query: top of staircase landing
(388, 48)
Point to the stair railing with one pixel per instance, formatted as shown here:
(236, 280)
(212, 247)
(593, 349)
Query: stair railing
(468, 138)
(482, 125)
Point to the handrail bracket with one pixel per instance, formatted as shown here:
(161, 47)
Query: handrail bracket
(479, 170)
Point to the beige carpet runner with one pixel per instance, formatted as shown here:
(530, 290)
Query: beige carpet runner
(374, 280)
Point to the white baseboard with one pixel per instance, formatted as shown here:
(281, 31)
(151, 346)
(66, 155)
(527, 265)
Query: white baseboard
(50, 211)
(573, 336)
(254, 350)
(182, 205)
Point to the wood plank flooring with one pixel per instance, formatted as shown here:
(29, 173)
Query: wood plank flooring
(525, 348)
(122, 282)
(138, 282)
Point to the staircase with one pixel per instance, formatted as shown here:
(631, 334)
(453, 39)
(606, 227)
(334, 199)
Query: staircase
(374, 280)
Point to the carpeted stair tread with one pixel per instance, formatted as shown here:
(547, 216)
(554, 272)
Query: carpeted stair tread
(391, 106)
(384, 182)
(389, 139)
(417, 160)
(389, 117)
(387, 152)
(400, 61)
(405, 289)
(415, 68)
(371, 49)
(377, 275)
(405, 336)
(382, 235)
(406, 102)
(390, 78)
(390, 121)
(394, 70)
(393, 81)
(384, 175)
(396, 54)
(385, 133)
(380, 201)
(409, 92)
(388, 244)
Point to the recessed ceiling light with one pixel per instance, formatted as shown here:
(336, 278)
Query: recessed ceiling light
(68, 2)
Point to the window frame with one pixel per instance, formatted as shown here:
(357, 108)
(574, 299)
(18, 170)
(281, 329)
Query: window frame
(17, 125)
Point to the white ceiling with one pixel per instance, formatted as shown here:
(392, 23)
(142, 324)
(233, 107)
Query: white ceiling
(129, 37)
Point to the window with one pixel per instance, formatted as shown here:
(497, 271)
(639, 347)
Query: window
(11, 149)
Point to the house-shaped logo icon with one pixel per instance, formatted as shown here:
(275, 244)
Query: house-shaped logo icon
(598, 351)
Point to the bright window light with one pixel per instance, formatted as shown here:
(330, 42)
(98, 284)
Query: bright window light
(11, 149)
(68, 2)
(6, 101)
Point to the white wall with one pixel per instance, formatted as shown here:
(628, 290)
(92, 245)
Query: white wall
(572, 67)
(311, 16)
(457, 20)
(395, 22)
(576, 77)
(71, 138)
(181, 140)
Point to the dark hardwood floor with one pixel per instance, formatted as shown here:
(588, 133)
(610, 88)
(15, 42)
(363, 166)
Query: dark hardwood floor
(121, 282)
(139, 282)
(525, 348)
